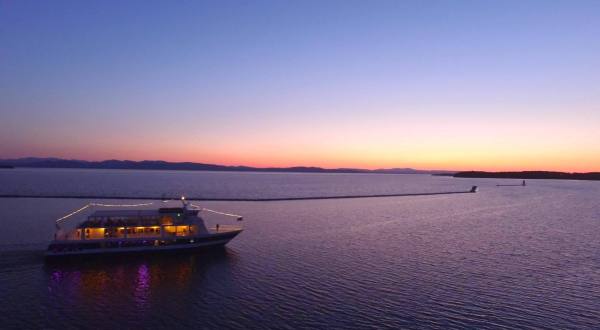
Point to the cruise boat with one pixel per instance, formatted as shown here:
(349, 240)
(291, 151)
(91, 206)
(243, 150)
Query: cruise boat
(140, 230)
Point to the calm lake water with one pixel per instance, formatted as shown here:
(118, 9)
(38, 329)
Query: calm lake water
(505, 257)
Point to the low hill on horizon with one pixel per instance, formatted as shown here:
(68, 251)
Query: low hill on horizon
(529, 175)
(35, 162)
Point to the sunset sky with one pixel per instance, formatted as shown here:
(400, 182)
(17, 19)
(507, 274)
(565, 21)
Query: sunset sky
(459, 85)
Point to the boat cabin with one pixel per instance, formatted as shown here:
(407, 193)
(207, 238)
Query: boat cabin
(161, 223)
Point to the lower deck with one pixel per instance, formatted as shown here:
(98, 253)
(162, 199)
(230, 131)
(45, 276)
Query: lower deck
(139, 232)
(112, 245)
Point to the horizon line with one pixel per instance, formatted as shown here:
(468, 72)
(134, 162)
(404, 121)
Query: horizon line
(264, 168)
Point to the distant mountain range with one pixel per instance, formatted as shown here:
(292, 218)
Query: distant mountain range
(189, 166)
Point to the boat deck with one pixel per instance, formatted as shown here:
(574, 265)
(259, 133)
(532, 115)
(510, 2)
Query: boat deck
(223, 229)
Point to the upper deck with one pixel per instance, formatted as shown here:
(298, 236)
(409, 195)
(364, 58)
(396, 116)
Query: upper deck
(139, 218)
(159, 224)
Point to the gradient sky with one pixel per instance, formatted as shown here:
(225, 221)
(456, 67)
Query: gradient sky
(491, 85)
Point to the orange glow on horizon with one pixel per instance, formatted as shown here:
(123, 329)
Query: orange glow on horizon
(477, 161)
(497, 144)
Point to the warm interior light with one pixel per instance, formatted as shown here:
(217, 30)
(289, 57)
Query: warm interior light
(95, 233)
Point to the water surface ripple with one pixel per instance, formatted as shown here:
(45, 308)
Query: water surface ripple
(506, 257)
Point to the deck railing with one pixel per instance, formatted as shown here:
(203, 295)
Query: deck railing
(224, 228)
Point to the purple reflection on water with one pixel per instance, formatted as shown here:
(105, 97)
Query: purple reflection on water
(56, 276)
(142, 287)
(65, 278)
(65, 286)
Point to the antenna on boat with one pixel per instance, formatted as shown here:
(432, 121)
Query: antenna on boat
(185, 204)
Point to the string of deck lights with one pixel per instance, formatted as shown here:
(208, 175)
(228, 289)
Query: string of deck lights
(239, 217)
(100, 204)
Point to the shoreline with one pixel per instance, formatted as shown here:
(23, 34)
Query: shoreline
(530, 175)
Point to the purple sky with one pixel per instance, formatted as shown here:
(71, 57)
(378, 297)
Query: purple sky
(429, 84)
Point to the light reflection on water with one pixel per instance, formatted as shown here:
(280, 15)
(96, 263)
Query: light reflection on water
(131, 286)
(142, 288)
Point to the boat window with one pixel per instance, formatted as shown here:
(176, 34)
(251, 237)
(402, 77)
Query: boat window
(94, 233)
(193, 230)
(166, 220)
(119, 232)
(139, 231)
(170, 230)
(183, 230)
(112, 232)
